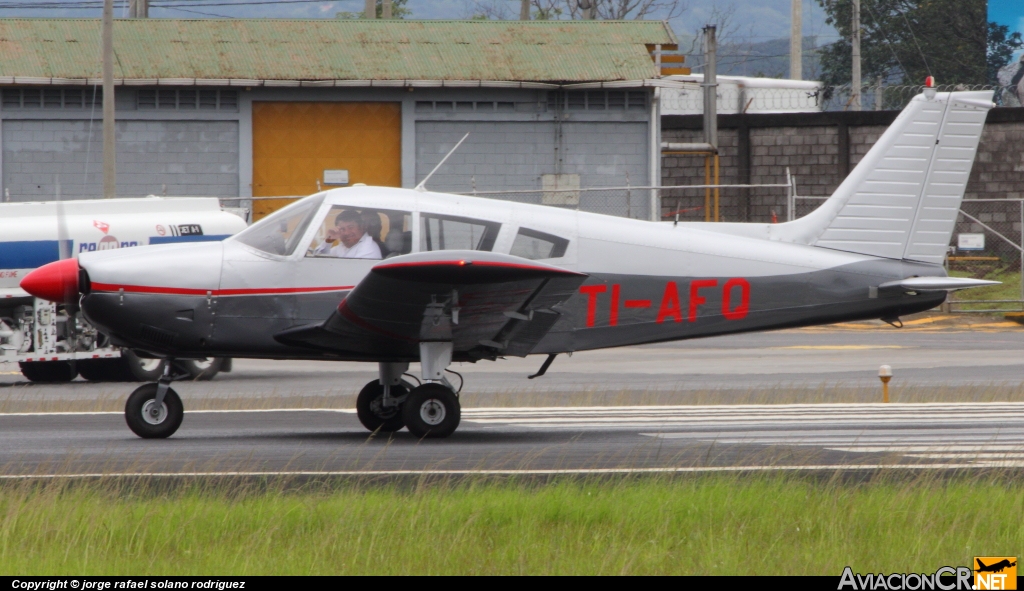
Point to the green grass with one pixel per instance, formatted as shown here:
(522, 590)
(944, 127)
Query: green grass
(1008, 290)
(747, 524)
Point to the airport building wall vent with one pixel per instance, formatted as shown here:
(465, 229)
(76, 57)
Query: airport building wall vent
(598, 100)
(51, 98)
(190, 99)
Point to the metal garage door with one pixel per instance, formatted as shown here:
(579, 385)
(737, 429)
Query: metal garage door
(293, 143)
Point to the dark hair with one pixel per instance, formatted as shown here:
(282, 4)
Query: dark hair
(350, 216)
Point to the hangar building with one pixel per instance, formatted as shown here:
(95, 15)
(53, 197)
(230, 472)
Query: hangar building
(258, 108)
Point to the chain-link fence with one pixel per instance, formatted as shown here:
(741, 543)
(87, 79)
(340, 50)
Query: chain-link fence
(987, 244)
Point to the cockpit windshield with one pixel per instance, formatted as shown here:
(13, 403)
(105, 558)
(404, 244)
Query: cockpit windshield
(280, 232)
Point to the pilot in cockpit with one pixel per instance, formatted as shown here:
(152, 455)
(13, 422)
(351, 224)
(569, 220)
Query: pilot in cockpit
(355, 242)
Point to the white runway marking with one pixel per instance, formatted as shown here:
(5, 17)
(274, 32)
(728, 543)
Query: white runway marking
(528, 472)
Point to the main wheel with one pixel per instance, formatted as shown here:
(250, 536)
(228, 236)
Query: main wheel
(373, 415)
(432, 410)
(48, 371)
(147, 420)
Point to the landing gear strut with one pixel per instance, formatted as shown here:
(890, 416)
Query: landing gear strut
(154, 410)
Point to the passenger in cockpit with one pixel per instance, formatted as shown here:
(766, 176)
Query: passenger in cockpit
(350, 229)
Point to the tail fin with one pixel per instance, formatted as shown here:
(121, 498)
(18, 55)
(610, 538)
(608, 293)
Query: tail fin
(902, 199)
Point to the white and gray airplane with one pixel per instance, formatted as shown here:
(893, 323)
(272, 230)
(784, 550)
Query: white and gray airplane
(467, 279)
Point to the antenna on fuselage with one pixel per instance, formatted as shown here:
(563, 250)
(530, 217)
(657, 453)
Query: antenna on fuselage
(423, 184)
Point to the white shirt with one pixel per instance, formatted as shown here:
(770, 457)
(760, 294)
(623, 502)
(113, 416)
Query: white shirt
(365, 248)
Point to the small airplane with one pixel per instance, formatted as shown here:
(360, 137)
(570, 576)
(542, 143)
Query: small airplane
(994, 568)
(452, 278)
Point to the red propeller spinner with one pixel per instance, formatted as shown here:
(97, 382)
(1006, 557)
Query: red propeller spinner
(56, 282)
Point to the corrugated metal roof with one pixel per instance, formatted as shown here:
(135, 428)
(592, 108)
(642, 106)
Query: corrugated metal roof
(335, 49)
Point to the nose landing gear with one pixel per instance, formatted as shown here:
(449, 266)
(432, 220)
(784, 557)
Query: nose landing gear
(154, 410)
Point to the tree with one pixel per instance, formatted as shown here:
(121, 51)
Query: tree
(574, 9)
(903, 41)
(1001, 47)
(398, 10)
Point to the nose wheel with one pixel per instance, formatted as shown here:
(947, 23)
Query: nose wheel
(151, 418)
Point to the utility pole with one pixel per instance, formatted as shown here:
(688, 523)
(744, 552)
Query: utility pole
(370, 9)
(109, 167)
(855, 43)
(710, 87)
(386, 9)
(524, 10)
(138, 9)
(796, 40)
(589, 8)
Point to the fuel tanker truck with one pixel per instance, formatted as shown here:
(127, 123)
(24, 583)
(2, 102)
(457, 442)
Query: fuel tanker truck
(53, 342)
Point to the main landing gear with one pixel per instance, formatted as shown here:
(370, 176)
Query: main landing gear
(431, 409)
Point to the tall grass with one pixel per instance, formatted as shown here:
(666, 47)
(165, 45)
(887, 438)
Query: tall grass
(717, 524)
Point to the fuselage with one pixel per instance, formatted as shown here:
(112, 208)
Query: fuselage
(647, 281)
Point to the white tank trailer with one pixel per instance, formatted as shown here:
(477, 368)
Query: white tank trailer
(49, 343)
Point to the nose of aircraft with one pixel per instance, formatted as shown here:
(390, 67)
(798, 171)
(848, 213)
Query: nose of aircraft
(56, 282)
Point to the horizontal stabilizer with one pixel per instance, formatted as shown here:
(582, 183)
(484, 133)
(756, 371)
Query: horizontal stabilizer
(935, 284)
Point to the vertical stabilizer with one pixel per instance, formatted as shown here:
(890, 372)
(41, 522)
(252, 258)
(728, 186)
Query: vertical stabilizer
(902, 199)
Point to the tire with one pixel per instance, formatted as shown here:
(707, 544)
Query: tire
(48, 371)
(372, 416)
(140, 369)
(101, 370)
(432, 411)
(202, 369)
(145, 425)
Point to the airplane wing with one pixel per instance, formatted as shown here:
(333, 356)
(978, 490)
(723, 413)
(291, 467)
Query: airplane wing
(487, 304)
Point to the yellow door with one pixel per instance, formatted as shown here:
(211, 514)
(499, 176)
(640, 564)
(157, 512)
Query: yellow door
(293, 143)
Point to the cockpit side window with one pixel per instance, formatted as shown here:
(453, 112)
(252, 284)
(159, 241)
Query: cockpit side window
(362, 233)
(280, 232)
(443, 232)
(534, 245)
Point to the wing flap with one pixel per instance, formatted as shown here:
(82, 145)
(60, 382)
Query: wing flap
(487, 304)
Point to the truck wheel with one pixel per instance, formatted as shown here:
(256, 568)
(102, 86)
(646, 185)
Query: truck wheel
(202, 369)
(101, 370)
(140, 369)
(48, 371)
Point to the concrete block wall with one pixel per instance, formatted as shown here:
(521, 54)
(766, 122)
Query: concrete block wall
(820, 149)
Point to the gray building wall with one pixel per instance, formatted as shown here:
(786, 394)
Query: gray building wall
(153, 157)
(514, 155)
(176, 137)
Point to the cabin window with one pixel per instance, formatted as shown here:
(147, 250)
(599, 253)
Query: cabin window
(371, 233)
(442, 232)
(281, 232)
(534, 245)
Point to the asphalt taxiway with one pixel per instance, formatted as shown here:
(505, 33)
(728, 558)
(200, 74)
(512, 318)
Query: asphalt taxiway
(530, 440)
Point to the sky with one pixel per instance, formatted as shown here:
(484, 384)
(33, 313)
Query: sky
(1007, 12)
(751, 21)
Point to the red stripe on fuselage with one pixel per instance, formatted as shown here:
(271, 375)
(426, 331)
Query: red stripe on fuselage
(217, 292)
(473, 263)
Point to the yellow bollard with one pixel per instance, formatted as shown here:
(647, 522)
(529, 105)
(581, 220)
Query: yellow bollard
(885, 374)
